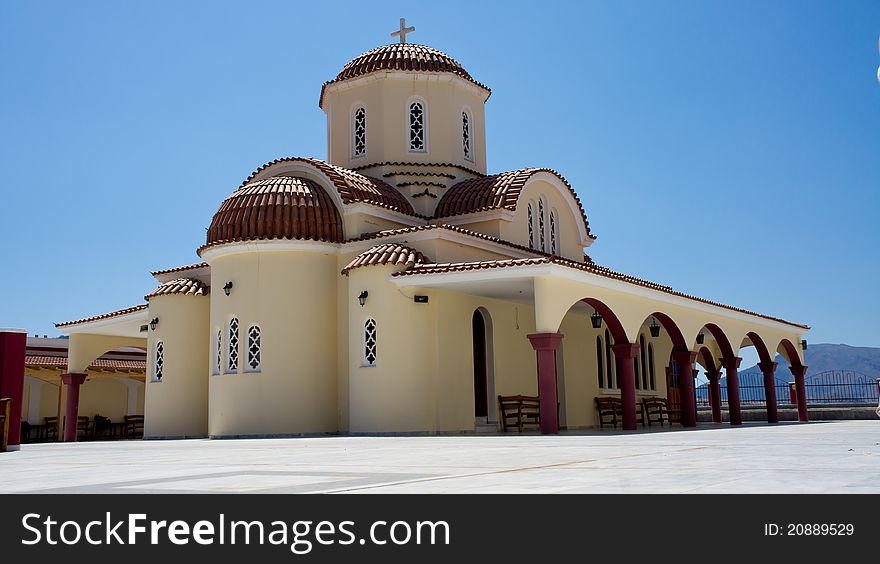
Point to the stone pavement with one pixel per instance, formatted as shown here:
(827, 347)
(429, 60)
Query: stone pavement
(819, 457)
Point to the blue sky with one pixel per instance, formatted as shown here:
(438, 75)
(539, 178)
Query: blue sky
(729, 149)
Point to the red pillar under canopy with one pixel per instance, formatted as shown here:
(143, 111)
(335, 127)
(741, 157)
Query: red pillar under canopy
(626, 353)
(730, 365)
(545, 345)
(13, 343)
(769, 370)
(73, 381)
(685, 360)
(801, 391)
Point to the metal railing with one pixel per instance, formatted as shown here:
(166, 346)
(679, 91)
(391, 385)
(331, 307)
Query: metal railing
(831, 387)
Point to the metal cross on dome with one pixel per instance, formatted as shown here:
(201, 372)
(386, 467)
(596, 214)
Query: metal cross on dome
(403, 31)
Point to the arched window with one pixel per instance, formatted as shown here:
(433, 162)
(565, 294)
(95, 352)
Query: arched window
(159, 361)
(359, 132)
(609, 364)
(370, 351)
(541, 230)
(218, 352)
(554, 232)
(651, 365)
(232, 358)
(254, 349)
(418, 127)
(642, 353)
(600, 364)
(466, 136)
(531, 226)
(637, 371)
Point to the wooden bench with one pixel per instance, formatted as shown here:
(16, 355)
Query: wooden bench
(51, 428)
(5, 415)
(134, 426)
(656, 411)
(519, 411)
(610, 412)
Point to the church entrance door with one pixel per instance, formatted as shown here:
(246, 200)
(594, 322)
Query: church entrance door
(481, 399)
(673, 392)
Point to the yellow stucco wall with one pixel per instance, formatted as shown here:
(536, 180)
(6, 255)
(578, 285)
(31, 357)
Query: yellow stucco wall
(177, 406)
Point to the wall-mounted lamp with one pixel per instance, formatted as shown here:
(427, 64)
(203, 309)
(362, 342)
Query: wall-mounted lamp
(420, 299)
(143, 328)
(803, 345)
(227, 288)
(362, 297)
(700, 338)
(654, 327)
(596, 320)
(154, 323)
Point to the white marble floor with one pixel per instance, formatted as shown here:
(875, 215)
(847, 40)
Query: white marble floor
(832, 457)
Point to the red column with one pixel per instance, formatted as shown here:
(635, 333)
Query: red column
(685, 360)
(801, 391)
(73, 381)
(769, 369)
(730, 365)
(13, 343)
(625, 353)
(545, 345)
(714, 395)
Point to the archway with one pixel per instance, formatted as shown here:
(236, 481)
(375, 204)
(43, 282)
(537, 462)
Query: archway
(680, 391)
(484, 366)
(768, 369)
(798, 369)
(730, 362)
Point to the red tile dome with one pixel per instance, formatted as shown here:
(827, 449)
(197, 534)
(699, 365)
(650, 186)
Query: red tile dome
(280, 207)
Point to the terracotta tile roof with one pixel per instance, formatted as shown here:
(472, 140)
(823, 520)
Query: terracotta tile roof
(499, 191)
(405, 173)
(456, 229)
(432, 165)
(388, 254)
(38, 361)
(351, 185)
(592, 268)
(409, 57)
(421, 183)
(116, 313)
(180, 286)
(180, 268)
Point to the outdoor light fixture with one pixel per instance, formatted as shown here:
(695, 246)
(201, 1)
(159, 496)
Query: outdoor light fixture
(420, 299)
(154, 323)
(227, 288)
(654, 327)
(596, 320)
(362, 297)
(700, 338)
(804, 345)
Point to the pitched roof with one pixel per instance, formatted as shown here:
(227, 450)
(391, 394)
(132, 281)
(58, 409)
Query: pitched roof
(116, 313)
(409, 57)
(387, 254)
(182, 287)
(586, 267)
(498, 191)
(180, 268)
(42, 361)
(352, 186)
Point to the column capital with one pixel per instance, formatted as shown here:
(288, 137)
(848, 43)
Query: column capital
(768, 367)
(730, 362)
(685, 357)
(625, 350)
(798, 371)
(545, 341)
(73, 378)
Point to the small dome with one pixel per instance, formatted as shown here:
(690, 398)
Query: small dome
(402, 57)
(180, 287)
(280, 207)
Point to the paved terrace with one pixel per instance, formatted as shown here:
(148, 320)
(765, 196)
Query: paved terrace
(832, 457)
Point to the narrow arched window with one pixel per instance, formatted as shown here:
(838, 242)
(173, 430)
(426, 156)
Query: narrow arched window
(651, 365)
(370, 350)
(159, 361)
(609, 364)
(637, 371)
(541, 230)
(554, 233)
(232, 358)
(642, 353)
(218, 352)
(600, 364)
(531, 226)
(466, 136)
(417, 127)
(254, 349)
(359, 133)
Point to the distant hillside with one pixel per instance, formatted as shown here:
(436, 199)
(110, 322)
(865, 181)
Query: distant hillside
(823, 357)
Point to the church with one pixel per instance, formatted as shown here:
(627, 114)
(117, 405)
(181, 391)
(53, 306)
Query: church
(400, 288)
